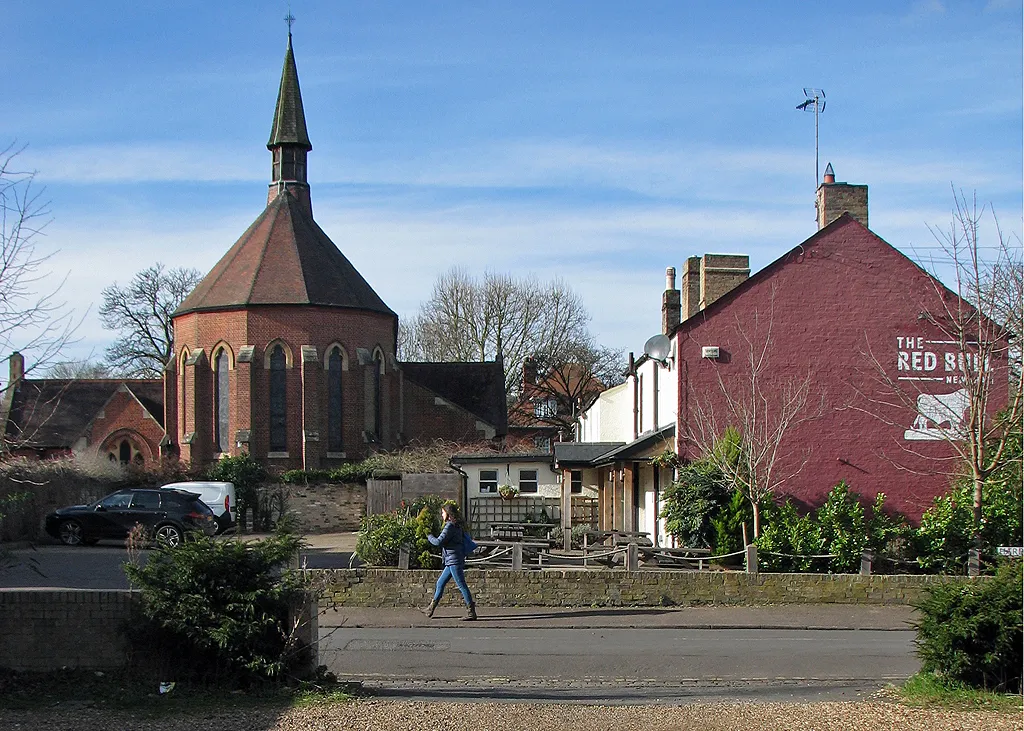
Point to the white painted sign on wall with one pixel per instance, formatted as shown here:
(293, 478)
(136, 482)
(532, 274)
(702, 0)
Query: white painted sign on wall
(923, 362)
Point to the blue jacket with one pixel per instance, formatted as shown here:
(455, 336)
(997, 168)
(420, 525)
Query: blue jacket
(451, 543)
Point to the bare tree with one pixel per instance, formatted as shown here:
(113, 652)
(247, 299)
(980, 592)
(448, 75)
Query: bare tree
(32, 322)
(141, 314)
(741, 426)
(466, 319)
(980, 319)
(78, 370)
(564, 382)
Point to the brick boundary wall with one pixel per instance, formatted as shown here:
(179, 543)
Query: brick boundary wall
(47, 629)
(597, 588)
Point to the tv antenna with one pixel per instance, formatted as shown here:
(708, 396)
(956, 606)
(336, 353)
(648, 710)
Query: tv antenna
(815, 102)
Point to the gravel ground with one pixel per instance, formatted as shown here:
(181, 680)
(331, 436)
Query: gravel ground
(876, 715)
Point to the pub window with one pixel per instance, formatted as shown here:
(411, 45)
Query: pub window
(488, 481)
(220, 399)
(334, 404)
(278, 403)
(527, 481)
(576, 481)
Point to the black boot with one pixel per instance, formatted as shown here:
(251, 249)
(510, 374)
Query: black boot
(470, 613)
(429, 611)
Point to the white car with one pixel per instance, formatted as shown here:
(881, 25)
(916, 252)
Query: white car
(219, 496)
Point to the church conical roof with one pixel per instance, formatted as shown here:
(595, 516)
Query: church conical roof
(289, 119)
(284, 258)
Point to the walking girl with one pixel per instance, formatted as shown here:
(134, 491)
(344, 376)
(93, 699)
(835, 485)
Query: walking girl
(453, 555)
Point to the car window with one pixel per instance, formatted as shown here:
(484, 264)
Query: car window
(199, 506)
(117, 500)
(146, 500)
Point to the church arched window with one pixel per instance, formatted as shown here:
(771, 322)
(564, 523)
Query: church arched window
(378, 372)
(221, 389)
(334, 401)
(124, 452)
(278, 402)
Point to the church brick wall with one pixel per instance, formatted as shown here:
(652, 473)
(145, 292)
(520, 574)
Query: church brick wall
(123, 415)
(294, 326)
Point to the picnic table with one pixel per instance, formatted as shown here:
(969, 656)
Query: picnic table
(615, 538)
(521, 548)
(523, 532)
(658, 555)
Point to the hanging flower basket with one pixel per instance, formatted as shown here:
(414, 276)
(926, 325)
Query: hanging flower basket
(507, 492)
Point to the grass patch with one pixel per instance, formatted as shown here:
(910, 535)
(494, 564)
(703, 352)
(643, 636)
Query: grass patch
(124, 692)
(928, 690)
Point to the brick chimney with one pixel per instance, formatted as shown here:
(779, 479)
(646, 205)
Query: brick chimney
(708, 277)
(834, 199)
(691, 287)
(529, 372)
(671, 308)
(17, 363)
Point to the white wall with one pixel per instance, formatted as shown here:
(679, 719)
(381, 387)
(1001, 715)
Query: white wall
(610, 418)
(549, 482)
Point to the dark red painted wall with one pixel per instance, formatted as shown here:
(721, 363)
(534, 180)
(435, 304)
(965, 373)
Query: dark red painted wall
(840, 307)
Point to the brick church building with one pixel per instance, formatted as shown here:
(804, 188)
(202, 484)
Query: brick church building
(283, 351)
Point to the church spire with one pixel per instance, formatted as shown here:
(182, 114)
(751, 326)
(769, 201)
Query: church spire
(289, 141)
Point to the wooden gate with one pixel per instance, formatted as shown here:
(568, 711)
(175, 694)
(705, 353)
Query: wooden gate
(383, 496)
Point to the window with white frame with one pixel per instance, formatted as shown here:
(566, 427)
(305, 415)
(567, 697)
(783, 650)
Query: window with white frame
(542, 442)
(576, 481)
(488, 481)
(527, 481)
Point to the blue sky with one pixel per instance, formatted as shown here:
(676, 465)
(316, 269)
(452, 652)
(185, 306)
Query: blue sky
(596, 141)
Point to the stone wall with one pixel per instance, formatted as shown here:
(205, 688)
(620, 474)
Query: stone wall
(325, 508)
(611, 588)
(44, 629)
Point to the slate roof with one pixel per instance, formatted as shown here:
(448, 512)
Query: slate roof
(284, 258)
(582, 452)
(53, 413)
(479, 388)
(638, 446)
(289, 118)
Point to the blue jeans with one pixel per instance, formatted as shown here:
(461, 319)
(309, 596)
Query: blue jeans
(457, 573)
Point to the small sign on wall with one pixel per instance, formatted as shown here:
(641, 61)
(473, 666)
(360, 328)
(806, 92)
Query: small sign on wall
(1012, 551)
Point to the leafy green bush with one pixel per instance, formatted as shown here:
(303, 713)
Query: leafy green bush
(692, 501)
(219, 610)
(842, 529)
(381, 536)
(889, 537)
(971, 632)
(350, 473)
(728, 524)
(785, 531)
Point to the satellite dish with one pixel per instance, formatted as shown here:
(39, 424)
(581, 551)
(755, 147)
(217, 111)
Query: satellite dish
(658, 347)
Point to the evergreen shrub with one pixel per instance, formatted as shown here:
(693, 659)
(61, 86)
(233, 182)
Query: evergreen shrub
(971, 632)
(219, 611)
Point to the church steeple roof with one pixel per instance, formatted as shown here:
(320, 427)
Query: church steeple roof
(289, 119)
(285, 258)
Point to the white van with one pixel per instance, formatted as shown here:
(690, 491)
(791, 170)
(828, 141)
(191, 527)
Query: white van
(219, 496)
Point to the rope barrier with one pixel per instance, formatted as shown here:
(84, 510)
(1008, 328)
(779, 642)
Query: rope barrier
(789, 555)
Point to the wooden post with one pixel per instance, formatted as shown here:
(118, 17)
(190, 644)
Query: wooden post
(632, 560)
(403, 557)
(628, 507)
(566, 509)
(865, 563)
(517, 556)
(752, 558)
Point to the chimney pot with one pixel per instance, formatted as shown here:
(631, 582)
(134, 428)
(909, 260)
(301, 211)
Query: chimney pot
(830, 175)
(670, 278)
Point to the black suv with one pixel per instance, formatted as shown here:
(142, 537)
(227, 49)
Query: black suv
(166, 515)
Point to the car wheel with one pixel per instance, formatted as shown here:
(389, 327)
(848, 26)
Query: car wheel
(71, 534)
(168, 535)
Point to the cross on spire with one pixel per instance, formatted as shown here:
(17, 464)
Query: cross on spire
(289, 19)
